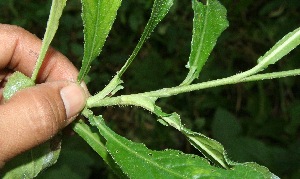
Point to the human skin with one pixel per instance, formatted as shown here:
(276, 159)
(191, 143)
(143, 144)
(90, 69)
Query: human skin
(35, 114)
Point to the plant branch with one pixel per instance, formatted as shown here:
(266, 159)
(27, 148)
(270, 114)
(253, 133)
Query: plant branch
(166, 92)
(280, 49)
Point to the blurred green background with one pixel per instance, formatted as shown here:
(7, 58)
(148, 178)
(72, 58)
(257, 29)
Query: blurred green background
(257, 121)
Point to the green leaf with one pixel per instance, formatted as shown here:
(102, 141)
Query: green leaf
(17, 81)
(137, 161)
(52, 25)
(159, 11)
(98, 17)
(75, 154)
(31, 163)
(208, 24)
(280, 49)
(210, 148)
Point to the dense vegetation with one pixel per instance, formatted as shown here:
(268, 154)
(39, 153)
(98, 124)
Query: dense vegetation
(254, 121)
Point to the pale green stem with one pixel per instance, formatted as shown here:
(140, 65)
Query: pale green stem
(52, 25)
(94, 141)
(166, 92)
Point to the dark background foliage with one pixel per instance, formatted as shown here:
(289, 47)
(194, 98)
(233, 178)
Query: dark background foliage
(257, 121)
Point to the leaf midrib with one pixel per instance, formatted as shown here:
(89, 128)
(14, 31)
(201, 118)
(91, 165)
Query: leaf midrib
(136, 154)
(202, 36)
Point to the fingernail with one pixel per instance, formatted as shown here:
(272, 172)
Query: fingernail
(73, 97)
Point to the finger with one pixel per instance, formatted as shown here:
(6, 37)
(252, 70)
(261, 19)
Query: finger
(33, 115)
(19, 51)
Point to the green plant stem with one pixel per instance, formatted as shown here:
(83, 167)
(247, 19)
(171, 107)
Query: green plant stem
(91, 138)
(166, 92)
(94, 139)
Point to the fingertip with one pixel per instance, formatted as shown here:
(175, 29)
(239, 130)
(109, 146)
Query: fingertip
(74, 98)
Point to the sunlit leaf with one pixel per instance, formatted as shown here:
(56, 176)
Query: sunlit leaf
(280, 49)
(208, 24)
(57, 8)
(159, 11)
(31, 163)
(98, 17)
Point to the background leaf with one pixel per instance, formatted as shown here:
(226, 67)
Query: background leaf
(98, 17)
(31, 163)
(208, 24)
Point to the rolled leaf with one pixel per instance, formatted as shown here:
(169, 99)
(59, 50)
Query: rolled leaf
(280, 49)
(210, 148)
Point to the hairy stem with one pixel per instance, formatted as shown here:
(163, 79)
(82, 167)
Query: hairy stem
(166, 92)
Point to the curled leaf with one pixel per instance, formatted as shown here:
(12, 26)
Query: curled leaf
(280, 49)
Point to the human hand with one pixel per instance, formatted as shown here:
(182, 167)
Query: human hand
(33, 115)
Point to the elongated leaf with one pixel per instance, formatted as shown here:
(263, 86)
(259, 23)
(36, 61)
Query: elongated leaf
(209, 22)
(31, 163)
(280, 49)
(98, 17)
(210, 148)
(52, 25)
(137, 161)
(159, 11)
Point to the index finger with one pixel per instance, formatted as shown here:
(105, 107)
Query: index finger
(19, 51)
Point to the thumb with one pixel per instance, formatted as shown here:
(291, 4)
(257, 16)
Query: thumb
(35, 114)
